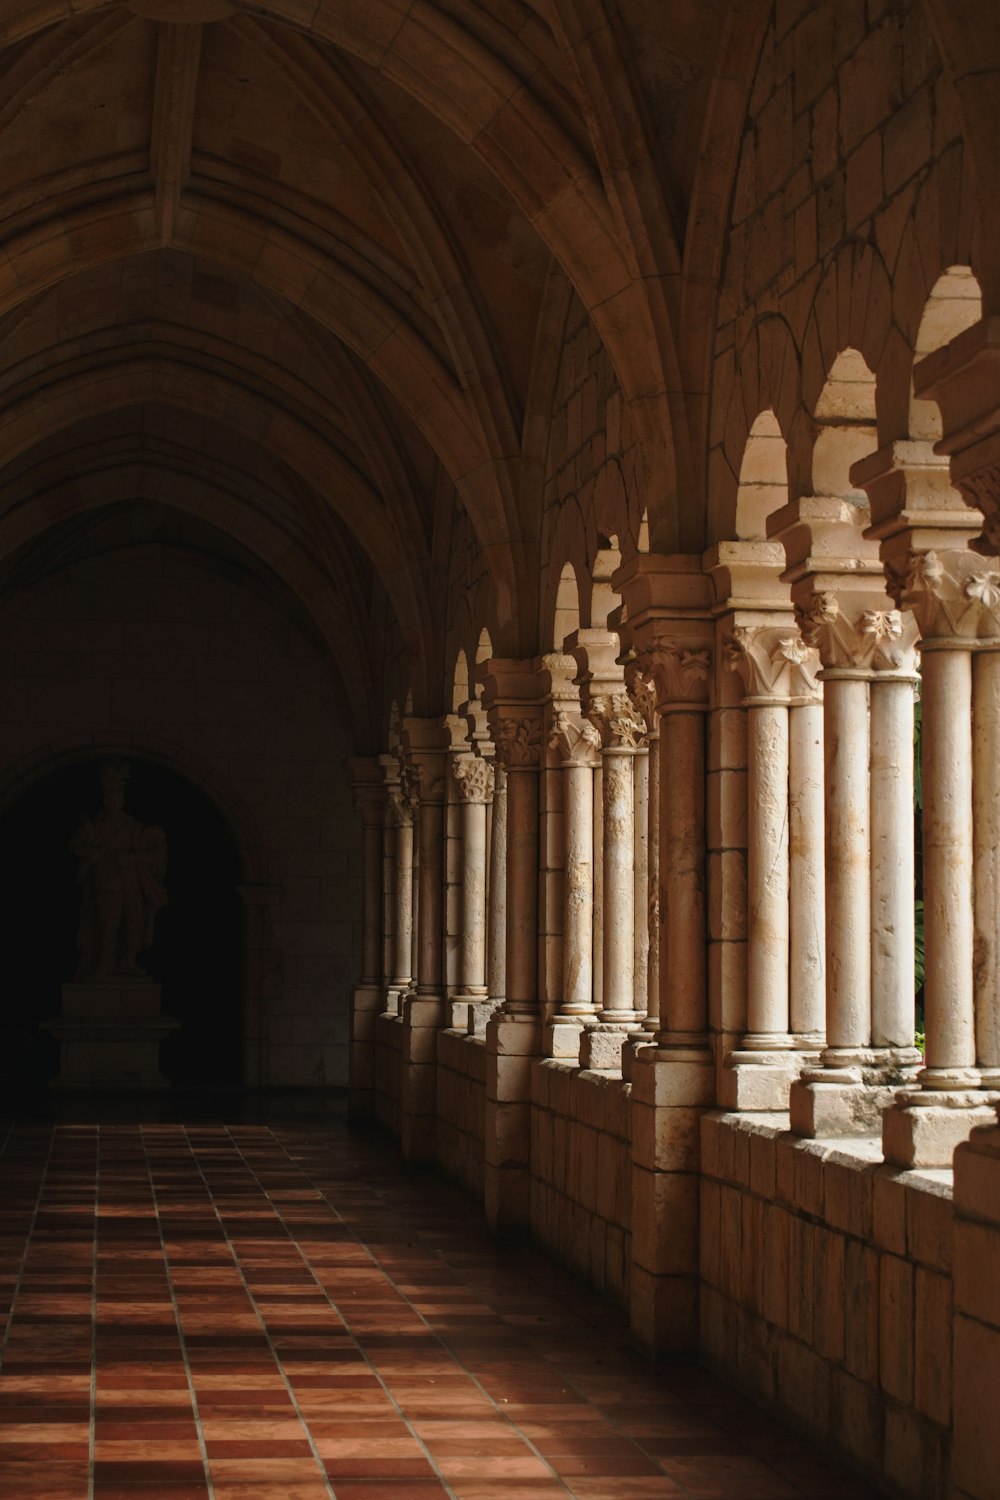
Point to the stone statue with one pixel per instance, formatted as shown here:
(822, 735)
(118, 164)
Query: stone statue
(121, 865)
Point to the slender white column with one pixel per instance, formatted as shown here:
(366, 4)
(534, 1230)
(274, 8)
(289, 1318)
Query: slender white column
(430, 967)
(807, 881)
(496, 936)
(947, 849)
(893, 857)
(640, 891)
(402, 958)
(518, 742)
(848, 868)
(652, 1021)
(371, 911)
(578, 744)
(986, 854)
(767, 877)
(597, 951)
(475, 782)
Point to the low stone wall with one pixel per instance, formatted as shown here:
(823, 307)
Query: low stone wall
(827, 1293)
(461, 1100)
(389, 1036)
(581, 1174)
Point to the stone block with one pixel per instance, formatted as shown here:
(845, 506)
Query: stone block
(757, 1355)
(926, 1135)
(848, 1195)
(802, 1278)
(799, 1176)
(718, 1330)
(776, 1265)
(889, 1194)
(665, 1222)
(932, 1346)
(902, 1450)
(861, 1340)
(977, 1175)
(663, 1312)
(929, 1224)
(750, 1082)
(666, 1140)
(829, 1249)
(709, 1233)
(896, 1327)
(731, 1240)
(856, 1420)
(977, 1270)
(803, 1385)
(976, 1438)
(763, 1162)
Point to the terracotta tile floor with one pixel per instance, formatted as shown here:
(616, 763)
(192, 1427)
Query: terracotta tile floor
(254, 1312)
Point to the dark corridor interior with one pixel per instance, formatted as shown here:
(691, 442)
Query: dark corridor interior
(196, 954)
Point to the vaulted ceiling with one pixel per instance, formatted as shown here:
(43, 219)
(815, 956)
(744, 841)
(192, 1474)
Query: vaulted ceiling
(291, 266)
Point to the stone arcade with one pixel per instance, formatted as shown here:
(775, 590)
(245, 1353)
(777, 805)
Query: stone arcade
(572, 429)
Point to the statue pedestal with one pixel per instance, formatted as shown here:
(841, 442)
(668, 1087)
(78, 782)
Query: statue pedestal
(109, 1035)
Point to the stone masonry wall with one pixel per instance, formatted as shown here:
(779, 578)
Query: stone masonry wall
(581, 1174)
(461, 1100)
(153, 648)
(827, 1293)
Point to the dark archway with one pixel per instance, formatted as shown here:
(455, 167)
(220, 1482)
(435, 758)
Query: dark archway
(197, 952)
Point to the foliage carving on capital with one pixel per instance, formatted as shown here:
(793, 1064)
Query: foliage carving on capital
(641, 688)
(519, 742)
(617, 722)
(861, 639)
(575, 739)
(952, 595)
(369, 801)
(774, 662)
(474, 777)
(682, 671)
(399, 809)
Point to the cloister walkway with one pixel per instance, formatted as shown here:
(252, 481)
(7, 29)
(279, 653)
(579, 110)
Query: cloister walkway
(255, 1311)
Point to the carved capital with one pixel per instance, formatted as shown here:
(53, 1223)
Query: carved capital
(852, 635)
(398, 808)
(519, 742)
(369, 801)
(619, 725)
(953, 595)
(774, 662)
(682, 672)
(575, 739)
(474, 777)
(641, 688)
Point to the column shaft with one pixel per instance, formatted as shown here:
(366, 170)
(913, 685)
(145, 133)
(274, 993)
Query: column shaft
(430, 968)
(682, 864)
(473, 965)
(947, 848)
(848, 850)
(892, 865)
(522, 890)
(496, 944)
(371, 919)
(767, 873)
(986, 847)
(807, 884)
(403, 923)
(653, 885)
(578, 890)
(618, 998)
(640, 892)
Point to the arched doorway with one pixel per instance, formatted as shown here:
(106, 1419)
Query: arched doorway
(197, 951)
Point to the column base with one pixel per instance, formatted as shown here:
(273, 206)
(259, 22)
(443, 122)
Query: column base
(561, 1036)
(635, 1043)
(513, 1042)
(752, 1080)
(601, 1045)
(923, 1127)
(849, 1092)
(479, 1016)
(458, 1010)
(394, 997)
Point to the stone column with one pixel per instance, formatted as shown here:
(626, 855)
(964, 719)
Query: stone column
(646, 766)
(496, 913)
(513, 1033)
(975, 1447)
(577, 743)
(867, 652)
(778, 671)
(986, 858)
(366, 997)
(806, 874)
(622, 735)
(423, 1011)
(474, 777)
(400, 821)
(955, 597)
(669, 605)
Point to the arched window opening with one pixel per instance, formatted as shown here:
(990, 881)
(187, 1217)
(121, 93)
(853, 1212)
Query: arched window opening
(604, 599)
(955, 304)
(460, 684)
(567, 612)
(763, 483)
(846, 414)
